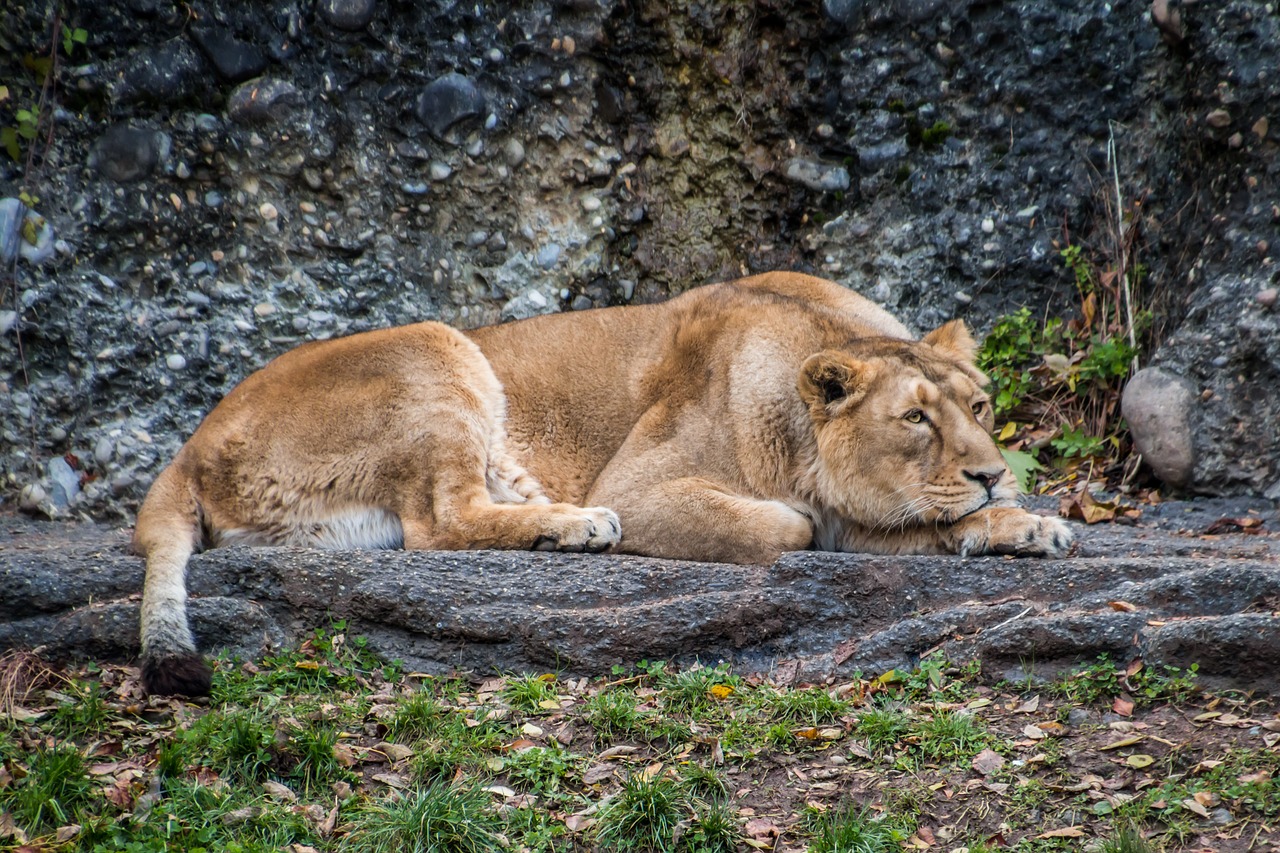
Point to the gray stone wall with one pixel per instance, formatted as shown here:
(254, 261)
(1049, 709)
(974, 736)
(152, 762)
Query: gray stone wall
(222, 181)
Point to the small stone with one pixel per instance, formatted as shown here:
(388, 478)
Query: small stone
(1157, 405)
(125, 154)
(234, 60)
(514, 152)
(476, 239)
(548, 255)
(198, 268)
(348, 14)
(14, 215)
(33, 495)
(590, 204)
(818, 176)
(1260, 128)
(264, 309)
(213, 198)
(415, 187)
(268, 211)
(843, 11)
(104, 450)
(182, 171)
(962, 297)
(440, 171)
(1218, 118)
(1236, 140)
(162, 74)
(873, 157)
(1267, 298)
(175, 362)
(988, 225)
(825, 131)
(64, 482)
(447, 101)
(536, 299)
(581, 303)
(262, 100)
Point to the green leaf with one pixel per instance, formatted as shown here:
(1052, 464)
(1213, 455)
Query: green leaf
(1024, 467)
(80, 36)
(9, 139)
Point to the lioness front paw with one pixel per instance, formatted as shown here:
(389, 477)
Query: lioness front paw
(1013, 532)
(591, 529)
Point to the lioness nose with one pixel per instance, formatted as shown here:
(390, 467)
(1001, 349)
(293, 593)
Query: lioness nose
(988, 479)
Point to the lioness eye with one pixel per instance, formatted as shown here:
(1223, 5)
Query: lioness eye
(914, 416)
(979, 407)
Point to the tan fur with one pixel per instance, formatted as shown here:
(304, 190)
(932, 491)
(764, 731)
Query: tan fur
(732, 423)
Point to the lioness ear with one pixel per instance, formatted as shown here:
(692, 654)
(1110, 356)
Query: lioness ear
(831, 378)
(953, 339)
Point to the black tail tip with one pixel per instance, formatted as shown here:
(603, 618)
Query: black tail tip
(176, 675)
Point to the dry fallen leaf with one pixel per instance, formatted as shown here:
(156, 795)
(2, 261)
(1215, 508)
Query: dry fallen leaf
(1064, 832)
(1028, 707)
(1139, 760)
(987, 762)
(1123, 706)
(1123, 742)
(1192, 805)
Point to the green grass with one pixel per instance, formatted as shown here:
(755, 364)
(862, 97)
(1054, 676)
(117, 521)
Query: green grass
(418, 717)
(690, 691)
(318, 766)
(882, 728)
(713, 829)
(1126, 839)
(851, 829)
(56, 788)
(438, 819)
(85, 714)
(527, 693)
(613, 713)
(643, 816)
(950, 735)
(651, 761)
(237, 743)
(810, 706)
(539, 769)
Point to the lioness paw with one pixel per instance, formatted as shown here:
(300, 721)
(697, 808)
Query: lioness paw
(1013, 532)
(591, 529)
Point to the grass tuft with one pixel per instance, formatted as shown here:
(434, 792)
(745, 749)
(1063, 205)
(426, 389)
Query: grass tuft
(57, 787)
(850, 829)
(643, 816)
(527, 692)
(438, 819)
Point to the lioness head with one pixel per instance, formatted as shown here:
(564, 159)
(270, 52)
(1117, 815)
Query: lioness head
(903, 430)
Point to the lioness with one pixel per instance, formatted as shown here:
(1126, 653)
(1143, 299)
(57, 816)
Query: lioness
(731, 423)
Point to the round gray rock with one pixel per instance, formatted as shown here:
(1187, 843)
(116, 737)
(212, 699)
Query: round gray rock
(125, 154)
(1157, 404)
(348, 14)
(447, 101)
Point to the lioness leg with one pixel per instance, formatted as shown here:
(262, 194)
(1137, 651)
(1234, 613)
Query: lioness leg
(463, 510)
(1008, 530)
(694, 518)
